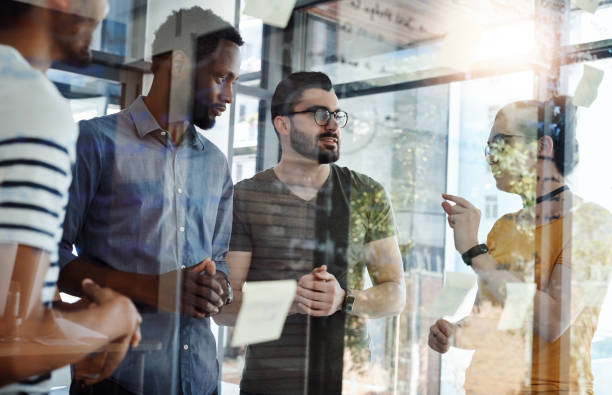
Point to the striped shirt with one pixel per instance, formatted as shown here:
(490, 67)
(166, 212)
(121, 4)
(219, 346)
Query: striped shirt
(37, 140)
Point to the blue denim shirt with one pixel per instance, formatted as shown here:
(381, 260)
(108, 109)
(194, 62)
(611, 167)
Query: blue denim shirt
(140, 204)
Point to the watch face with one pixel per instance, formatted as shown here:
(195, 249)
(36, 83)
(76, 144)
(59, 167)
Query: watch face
(230, 296)
(350, 300)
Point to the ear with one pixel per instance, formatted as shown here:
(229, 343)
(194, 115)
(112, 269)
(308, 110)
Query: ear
(281, 123)
(545, 146)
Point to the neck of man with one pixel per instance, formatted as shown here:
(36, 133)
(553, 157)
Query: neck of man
(158, 103)
(32, 40)
(303, 176)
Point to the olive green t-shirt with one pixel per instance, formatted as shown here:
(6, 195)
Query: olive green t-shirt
(287, 237)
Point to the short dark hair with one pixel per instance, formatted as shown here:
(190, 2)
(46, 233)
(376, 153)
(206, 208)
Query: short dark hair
(11, 12)
(289, 91)
(178, 29)
(561, 127)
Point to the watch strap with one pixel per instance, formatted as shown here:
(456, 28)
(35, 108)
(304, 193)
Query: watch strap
(473, 252)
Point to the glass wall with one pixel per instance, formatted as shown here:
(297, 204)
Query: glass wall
(452, 237)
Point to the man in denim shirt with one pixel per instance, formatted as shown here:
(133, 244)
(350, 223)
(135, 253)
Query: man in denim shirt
(150, 208)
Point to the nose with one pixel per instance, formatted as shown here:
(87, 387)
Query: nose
(227, 93)
(332, 125)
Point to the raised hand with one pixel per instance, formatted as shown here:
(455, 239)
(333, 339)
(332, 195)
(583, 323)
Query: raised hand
(464, 219)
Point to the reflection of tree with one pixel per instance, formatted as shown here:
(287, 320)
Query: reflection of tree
(409, 133)
(419, 169)
(368, 214)
(515, 163)
(418, 178)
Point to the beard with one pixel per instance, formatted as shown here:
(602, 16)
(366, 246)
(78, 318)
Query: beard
(72, 34)
(202, 106)
(201, 116)
(78, 57)
(308, 146)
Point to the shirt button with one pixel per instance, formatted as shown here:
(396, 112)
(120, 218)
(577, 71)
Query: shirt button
(185, 347)
(183, 267)
(182, 229)
(180, 190)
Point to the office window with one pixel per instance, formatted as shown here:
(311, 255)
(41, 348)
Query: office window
(465, 197)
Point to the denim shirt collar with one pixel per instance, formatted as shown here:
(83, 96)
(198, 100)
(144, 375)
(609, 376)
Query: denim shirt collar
(145, 123)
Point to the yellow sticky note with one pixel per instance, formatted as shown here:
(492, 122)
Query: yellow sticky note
(265, 305)
(587, 5)
(586, 91)
(271, 12)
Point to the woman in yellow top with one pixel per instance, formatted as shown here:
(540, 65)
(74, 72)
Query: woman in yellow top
(556, 242)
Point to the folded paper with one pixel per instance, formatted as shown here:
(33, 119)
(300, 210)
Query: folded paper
(587, 5)
(586, 92)
(264, 309)
(456, 289)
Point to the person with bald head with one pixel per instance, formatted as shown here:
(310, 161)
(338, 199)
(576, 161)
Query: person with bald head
(37, 141)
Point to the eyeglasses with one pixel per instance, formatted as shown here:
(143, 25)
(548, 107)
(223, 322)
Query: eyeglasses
(322, 116)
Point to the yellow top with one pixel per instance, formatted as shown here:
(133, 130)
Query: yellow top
(581, 241)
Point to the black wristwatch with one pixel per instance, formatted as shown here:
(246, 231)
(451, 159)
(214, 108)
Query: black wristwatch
(473, 253)
(349, 302)
(230, 291)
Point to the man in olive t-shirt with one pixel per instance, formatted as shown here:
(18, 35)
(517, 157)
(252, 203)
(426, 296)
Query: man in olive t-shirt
(320, 224)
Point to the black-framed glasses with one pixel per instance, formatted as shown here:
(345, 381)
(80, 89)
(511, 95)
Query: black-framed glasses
(322, 116)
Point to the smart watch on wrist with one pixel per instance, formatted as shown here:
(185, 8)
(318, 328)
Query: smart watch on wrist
(349, 301)
(473, 252)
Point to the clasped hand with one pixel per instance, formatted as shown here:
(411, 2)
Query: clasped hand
(202, 290)
(318, 294)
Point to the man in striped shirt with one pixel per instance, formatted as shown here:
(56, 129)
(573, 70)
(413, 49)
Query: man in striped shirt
(37, 140)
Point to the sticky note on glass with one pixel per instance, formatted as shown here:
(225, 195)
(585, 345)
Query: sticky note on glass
(587, 5)
(459, 47)
(271, 12)
(456, 288)
(264, 309)
(586, 91)
(519, 301)
(454, 364)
